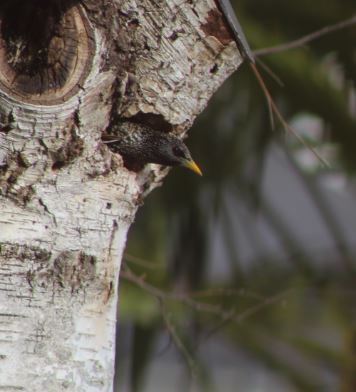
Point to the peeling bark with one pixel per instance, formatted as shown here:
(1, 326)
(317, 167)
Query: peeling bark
(66, 201)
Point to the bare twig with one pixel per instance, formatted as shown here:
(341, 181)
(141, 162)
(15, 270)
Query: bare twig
(225, 316)
(269, 71)
(286, 126)
(226, 292)
(222, 291)
(178, 342)
(141, 262)
(163, 295)
(216, 310)
(239, 318)
(306, 38)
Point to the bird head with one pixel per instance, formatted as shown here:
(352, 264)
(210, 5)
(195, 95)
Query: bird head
(173, 152)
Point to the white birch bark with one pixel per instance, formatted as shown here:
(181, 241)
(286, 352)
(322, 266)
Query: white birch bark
(66, 201)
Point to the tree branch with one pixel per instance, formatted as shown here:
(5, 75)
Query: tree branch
(306, 38)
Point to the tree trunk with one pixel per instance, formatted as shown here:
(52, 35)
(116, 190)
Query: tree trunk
(68, 70)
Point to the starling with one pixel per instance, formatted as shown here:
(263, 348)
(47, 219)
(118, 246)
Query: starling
(139, 144)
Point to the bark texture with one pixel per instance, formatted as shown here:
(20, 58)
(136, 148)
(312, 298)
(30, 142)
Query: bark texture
(67, 71)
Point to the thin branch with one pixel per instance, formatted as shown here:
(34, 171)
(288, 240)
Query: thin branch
(212, 292)
(306, 38)
(224, 316)
(239, 318)
(226, 292)
(163, 295)
(269, 71)
(216, 310)
(179, 343)
(141, 262)
(286, 126)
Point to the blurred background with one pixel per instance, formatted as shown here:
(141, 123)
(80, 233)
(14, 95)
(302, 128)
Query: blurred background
(244, 279)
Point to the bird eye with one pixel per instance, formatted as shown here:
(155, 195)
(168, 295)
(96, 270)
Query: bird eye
(178, 152)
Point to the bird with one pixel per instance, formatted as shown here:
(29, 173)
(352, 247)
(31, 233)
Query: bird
(139, 144)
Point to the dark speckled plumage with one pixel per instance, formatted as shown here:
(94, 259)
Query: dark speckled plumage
(140, 145)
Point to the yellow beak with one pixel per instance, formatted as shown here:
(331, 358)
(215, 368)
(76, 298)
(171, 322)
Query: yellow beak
(190, 164)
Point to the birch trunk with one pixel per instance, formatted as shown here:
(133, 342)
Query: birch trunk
(67, 70)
